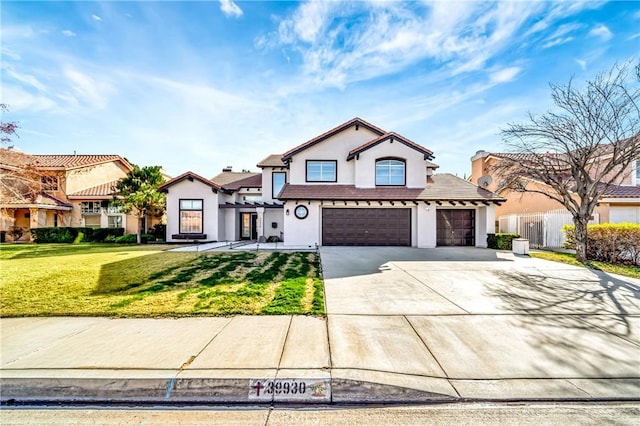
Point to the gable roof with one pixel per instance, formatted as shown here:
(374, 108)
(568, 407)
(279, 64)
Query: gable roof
(274, 160)
(444, 187)
(622, 191)
(66, 162)
(326, 135)
(188, 176)
(392, 136)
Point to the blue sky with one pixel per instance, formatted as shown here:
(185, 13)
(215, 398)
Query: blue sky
(202, 85)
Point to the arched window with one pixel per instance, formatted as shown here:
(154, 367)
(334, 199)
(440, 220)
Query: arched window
(390, 172)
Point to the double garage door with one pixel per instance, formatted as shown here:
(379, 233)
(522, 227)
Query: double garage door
(392, 227)
(366, 227)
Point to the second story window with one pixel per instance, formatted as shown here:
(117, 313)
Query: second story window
(91, 207)
(390, 172)
(636, 173)
(321, 170)
(49, 183)
(278, 180)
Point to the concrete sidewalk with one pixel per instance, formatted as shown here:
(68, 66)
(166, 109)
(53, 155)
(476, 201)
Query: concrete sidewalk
(402, 325)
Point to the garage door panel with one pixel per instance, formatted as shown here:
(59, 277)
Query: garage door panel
(455, 227)
(366, 227)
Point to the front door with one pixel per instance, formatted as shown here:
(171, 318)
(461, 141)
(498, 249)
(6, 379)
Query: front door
(248, 228)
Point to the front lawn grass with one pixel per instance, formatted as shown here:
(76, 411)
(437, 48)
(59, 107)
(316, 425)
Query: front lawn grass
(147, 281)
(569, 258)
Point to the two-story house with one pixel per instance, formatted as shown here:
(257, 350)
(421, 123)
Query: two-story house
(620, 202)
(355, 184)
(74, 190)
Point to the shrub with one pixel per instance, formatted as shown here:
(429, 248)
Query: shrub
(158, 231)
(100, 235)
(609, 242)
(501, 241)
(78, 239)
(74, 235)
(127, 239)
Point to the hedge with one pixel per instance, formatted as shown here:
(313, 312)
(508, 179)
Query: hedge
(501, 241)
(609, 242)
(71, 235)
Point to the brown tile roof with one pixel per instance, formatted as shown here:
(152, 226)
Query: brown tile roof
(428, 154)
(227, 178)
(104, 190)
(445, 187)
(622, 191)
(344, 126)
(73, 161)
(253, 181)
(189, 176)
(274, 160)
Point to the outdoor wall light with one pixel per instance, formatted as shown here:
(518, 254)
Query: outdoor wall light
(287, 212)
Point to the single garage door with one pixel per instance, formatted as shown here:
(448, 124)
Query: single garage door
(624, 214)
(455, 227)
(366, 227)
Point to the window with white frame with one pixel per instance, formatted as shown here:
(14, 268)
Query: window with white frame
(322, 170)
(191, 216)
(390, 172)
(114, 222)
(636, 173)
(91, 207)
(113, 208)
(278, 180)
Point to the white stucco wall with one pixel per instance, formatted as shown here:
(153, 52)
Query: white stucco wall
(365, 165)
(485, 224)
(336, 148)
(192, 190)
(426, 222)
(231, 225)
(270, 216)
(298, 232)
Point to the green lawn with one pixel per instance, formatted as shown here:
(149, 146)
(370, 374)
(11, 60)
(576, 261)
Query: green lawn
(628, 271)
(146, 281)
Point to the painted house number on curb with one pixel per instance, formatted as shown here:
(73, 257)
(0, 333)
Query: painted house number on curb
(290, 389)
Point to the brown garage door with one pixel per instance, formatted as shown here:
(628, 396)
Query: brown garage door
(366, 227)
(456, 227)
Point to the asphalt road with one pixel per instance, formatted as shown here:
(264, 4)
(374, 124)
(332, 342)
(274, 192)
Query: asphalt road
(446, 414)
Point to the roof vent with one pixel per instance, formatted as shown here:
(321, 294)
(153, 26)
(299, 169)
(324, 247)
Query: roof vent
(227, 169)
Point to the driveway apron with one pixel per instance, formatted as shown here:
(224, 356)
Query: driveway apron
(486, 321)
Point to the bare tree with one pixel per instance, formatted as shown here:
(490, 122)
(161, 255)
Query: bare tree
(580, 149)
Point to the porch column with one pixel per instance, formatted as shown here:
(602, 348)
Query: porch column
(260, 222)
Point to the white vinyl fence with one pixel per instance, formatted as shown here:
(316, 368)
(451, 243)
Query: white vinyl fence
(541, 229)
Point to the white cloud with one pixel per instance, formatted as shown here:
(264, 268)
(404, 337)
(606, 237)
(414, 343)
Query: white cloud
(89, 90)
(68, 33)
(582, 63)
(24, 78)
(505, 75)
(556, 42)
(602, 32)
(229, 8)
(96, 18)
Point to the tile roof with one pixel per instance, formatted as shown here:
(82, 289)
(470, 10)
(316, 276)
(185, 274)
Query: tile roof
(622, 191)
(73, 161)
(189, 176)
(445, 187)
(428, 154)
(104, 190)
(228, 178)
(353, 122)
(253, 181)
(274, 160)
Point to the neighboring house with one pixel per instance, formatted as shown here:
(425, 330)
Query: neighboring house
(355, 184)
(620, 203)
(75, 190)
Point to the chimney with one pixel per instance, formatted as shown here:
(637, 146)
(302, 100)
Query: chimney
(227, 169)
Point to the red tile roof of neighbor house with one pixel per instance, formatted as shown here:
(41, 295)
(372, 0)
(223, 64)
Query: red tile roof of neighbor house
(104, 190)
(74, 161)
(274, 160)
(445, 187)
(188, 176)
(392, 136)
(622, 191)
(353, 122)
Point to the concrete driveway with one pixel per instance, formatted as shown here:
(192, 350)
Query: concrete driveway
(488, 322)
